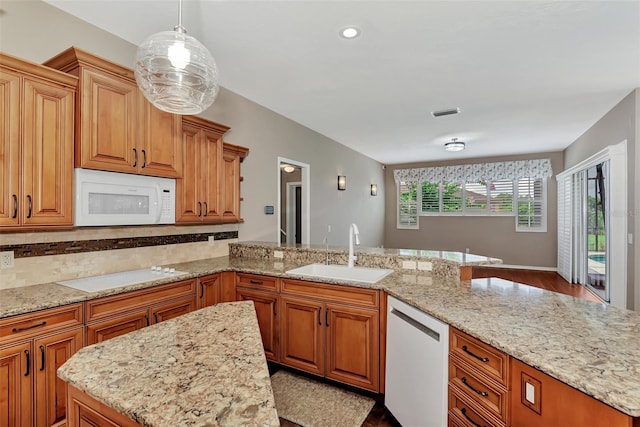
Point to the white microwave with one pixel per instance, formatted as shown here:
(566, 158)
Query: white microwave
(112, 198)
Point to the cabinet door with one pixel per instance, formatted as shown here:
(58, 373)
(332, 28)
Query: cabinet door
(352, 350)
(160, 143)
(189, 187)
(111, 328)
(108, 128)
(50, 391)
(230, 196)
(15, 385)
(211, 157)
(169, 310)
(266, 305)
(9, 148)
(303, 328)
(208, 290)
(47, 154)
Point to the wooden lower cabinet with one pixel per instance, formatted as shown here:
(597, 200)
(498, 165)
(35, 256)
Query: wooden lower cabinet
(266, 305)
(352, 349)
(303, 334)
(208, 290)
(338, 341)
(120, 314)
(556, 404)
(84, 411)
(32, 348)
(50, 353)
(15, 385)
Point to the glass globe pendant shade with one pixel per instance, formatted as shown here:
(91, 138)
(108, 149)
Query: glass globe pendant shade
(176, 72)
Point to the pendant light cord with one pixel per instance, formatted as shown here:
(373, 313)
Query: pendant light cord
(179, 28)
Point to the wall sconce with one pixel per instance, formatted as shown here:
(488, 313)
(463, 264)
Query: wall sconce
(342, 182)
(374, 190)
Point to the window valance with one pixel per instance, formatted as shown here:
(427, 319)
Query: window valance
(534, 169)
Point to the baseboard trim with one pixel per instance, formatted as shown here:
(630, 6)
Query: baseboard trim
(520, 267)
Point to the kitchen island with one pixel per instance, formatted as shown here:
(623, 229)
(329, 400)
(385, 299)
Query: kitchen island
(203, 368)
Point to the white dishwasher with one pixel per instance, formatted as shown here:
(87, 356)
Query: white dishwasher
(417, 366)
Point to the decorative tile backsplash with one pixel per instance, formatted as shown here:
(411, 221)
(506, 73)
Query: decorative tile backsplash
(45, 257)
(80, 246)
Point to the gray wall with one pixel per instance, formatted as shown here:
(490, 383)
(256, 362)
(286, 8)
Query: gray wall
(36, 31)
(483, 235)
(619, 124)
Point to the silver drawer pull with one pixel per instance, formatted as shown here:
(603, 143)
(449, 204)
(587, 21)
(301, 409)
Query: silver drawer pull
(433, 334)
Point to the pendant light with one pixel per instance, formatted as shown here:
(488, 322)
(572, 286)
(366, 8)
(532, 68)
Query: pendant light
(176, 72)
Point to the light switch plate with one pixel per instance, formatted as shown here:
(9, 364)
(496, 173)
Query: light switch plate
(530, 393)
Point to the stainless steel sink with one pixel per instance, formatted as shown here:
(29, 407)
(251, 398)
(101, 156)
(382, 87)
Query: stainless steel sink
(342, 272)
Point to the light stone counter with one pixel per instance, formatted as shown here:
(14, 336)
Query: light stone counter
(592, 347)
(206, 368)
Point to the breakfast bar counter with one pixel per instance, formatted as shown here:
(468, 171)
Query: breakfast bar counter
(204, 368)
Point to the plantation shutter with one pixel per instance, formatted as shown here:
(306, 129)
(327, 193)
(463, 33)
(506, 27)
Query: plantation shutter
(530, 205)
(501, 196)
(407, 205)
(565, 227)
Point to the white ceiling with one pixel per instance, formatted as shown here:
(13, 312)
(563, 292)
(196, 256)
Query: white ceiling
(529, 76)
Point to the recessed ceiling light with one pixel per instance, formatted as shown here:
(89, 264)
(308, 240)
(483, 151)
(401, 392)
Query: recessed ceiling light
(454, 145)
(350, 32)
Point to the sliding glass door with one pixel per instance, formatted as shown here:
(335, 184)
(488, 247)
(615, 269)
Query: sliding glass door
(595, 226)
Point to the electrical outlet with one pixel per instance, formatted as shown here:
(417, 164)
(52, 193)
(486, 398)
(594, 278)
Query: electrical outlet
(6, 260)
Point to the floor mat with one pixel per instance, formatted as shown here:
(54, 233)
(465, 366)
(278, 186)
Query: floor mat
(313, 404)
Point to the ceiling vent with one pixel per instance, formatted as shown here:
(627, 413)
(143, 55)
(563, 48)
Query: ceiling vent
(445, 112)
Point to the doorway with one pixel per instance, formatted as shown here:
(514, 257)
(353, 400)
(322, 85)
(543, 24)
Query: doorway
(595, 221)
(293, 202)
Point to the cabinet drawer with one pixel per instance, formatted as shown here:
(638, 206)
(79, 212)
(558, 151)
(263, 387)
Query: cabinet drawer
(116, 304)
(333, 293)
(258, 282)
(487, 359)
(120, 325)
(173, 309)
(468, 413)
(491, 396)
(40, 322)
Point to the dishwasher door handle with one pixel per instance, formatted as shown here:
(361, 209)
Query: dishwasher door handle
(427, 330)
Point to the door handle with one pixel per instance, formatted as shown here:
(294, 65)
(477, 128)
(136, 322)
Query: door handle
(15, 206)
(28, 357)
(319, 319)
(326, 317)
(144, 159)
(206, 208)
(42, 358)
(135, 157)
(30, 205)
(199, 208)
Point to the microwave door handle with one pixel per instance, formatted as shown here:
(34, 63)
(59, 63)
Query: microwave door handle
(159, 195)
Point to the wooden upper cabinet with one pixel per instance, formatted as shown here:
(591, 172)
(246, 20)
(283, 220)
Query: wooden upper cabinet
(107, 116)
(198, 191)
(10, 145)
(37, 145)
(119, 130)
(232, 156)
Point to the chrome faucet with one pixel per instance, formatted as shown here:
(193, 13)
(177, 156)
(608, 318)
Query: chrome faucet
(353, 232)
(326, 243)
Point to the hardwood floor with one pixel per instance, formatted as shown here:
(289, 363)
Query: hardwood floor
(548, 280)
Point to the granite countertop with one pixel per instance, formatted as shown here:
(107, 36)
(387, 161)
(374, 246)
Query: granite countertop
(592, 347)
(204, 368)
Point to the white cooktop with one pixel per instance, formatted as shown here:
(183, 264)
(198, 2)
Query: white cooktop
(118, 280)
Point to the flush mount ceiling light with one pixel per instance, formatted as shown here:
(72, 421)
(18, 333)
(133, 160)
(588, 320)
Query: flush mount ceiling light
(349, 32)
(454, 145)
(176, 72)
(288, 168)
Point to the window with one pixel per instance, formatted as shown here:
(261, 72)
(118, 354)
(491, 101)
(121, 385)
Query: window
(407, 205)
(531, 205)
(514, 188)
